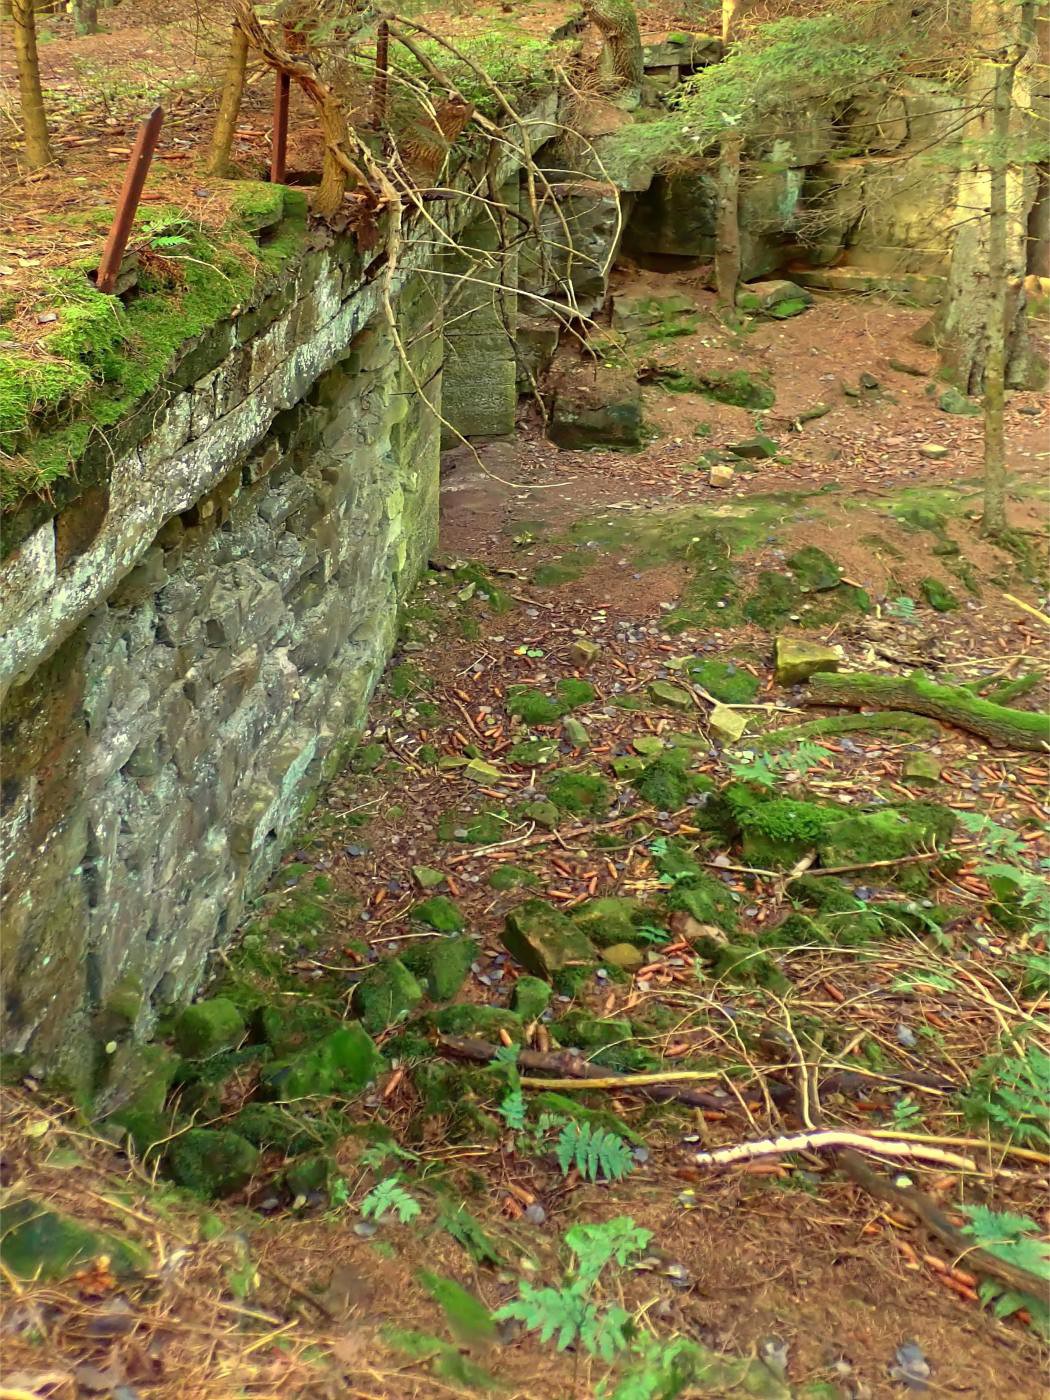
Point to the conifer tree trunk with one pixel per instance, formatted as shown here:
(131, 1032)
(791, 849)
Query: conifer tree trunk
(1001, 34)
(34, 118)
(994, 518)
(85, 16)
(727, 221)
(621, 59)
(229, 104)
(727, 213)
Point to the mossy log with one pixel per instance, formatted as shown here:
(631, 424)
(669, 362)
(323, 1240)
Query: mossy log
(999, 725)
(912, 726)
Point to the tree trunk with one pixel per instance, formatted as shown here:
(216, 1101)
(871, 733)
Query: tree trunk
(34, 118)
(727, 222)
(621, 60)
(994, 518)
(85, 16)
(229, 104)
(961, 329)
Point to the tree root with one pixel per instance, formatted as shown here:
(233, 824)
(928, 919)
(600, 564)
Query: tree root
(918, 1204)
(998, 725)
(913, 726)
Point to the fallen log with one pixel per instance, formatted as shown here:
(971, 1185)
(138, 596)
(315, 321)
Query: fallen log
(952, 704)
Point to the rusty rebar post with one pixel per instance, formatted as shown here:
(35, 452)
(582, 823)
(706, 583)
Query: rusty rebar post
(281, 96)
(128, 200)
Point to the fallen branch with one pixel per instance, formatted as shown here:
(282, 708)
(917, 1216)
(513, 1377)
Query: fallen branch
(662, 1087)
(915, 726)
(1007, 728)
(818, 1139)
(565, 1065)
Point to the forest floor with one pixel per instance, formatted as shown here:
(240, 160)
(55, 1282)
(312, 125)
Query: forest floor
(580, 577)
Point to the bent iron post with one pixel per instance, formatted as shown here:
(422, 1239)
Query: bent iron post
(128, 201)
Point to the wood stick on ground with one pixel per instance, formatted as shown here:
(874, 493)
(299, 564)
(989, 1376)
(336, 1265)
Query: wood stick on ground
(564, 1065)
(999, 725)
(814, 1140)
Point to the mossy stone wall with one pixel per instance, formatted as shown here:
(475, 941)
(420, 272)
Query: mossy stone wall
(158, 756)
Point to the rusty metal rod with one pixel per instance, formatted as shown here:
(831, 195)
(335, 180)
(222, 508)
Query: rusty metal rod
(128, 200)
(279, 139)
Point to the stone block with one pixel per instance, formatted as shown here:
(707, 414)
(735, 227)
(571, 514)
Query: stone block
(28, 573)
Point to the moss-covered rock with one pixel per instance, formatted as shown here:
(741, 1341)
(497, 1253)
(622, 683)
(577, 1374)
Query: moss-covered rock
(705, 899)
(582, 794)
(886, 834)
(207, 1027)
(292, 1024)
(511, 877)
(611, 1043)
(212, 1161)
(533, 707)
(471, 828)
(665, 782)
(674, 696)
(544, 940)
(939, 597)
(746, 963)
(310, 1173)
(439, 913)
(485, 1022)
(343, 1063)
(442, 965)
(37, 1242)
(143, 1115)
(610, 919)
(574, 693)
(723, 680)
(532, 753)
(777, 831)
(386, 995)
(814, 570)
(530, 998)
(285, 1128)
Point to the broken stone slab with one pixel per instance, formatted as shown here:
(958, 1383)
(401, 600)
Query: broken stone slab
(933, 451)
(922, 768)
(583, 652)
(664, 693)
(597, 408)
(639, 312)
(544, 940)
(755, 449)
(726, 724)
(776, 296)
(576, 733)
(721, 475)
(796, 660)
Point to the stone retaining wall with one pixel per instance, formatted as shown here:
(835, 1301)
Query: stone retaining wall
(190, 647)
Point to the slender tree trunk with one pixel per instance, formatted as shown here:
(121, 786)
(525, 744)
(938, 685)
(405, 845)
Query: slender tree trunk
(229, 104)
(962, 327)
(994, 520)
(85, 16)
(727, 214)
(727, 222)
(34, 118)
